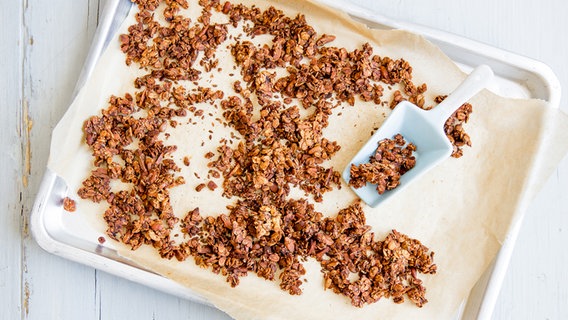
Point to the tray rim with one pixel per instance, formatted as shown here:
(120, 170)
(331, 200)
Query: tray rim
(497, 270)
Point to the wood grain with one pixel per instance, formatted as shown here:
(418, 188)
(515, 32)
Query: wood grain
(11, 207)
(56, 39)
(44, 44)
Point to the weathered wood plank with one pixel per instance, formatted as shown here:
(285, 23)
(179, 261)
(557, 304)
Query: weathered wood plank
(57, 37)
(11, 48)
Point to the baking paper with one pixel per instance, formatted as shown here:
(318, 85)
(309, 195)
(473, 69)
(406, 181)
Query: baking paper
(462, 209)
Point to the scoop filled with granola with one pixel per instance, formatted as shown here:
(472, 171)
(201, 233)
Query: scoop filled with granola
(423, 130)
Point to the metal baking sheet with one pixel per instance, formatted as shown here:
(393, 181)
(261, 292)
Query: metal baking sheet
(70, 237)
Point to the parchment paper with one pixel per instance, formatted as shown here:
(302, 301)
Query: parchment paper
(462, 209)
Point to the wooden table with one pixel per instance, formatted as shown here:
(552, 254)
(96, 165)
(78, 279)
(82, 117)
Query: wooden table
(43, 45)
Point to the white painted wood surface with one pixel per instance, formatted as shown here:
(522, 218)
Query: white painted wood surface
(43, 45)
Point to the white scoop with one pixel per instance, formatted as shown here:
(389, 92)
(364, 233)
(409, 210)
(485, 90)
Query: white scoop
(423, 128)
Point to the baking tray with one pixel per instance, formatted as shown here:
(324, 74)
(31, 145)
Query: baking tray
(516, 77)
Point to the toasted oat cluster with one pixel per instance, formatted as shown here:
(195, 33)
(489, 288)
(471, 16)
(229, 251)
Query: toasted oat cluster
(69, 204)
(392, 159)
(277, 145)
(454, 127)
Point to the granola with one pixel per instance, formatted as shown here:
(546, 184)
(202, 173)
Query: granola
(279, 144)
(392, 158)
(69, 204)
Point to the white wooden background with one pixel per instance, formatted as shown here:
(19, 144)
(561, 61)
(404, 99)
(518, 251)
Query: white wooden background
(42, 47)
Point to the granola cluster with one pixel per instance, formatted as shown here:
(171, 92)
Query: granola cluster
(277, 144)
(69, 204)
(392, 159)
(454, 127)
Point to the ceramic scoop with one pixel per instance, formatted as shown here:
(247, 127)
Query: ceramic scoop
(423, 128)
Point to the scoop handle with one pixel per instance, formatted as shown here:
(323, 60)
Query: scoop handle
(475, 82)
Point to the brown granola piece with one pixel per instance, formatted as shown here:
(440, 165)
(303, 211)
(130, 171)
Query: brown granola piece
(69, 204)
(392, 159)
(211, 185)
(454, 128)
